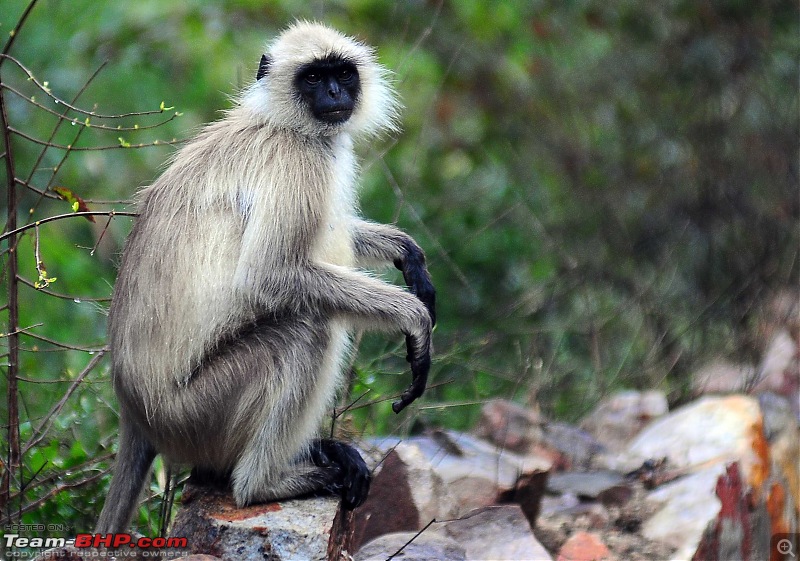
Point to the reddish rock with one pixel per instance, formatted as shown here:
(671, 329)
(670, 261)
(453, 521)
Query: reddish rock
(584, 546)
(293, 530)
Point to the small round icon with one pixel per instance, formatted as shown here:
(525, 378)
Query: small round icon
(785, 546)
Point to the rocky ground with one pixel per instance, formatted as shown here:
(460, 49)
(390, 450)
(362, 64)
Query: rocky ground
(716, 479)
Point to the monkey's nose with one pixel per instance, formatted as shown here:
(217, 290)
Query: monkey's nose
(333, 89)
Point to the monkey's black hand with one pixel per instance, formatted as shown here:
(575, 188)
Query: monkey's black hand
(417, 277)
(420, 366)
(352, 476)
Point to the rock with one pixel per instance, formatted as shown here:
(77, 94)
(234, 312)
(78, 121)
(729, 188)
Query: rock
(703, 440)
(620, 417)
(723, 377)
(779, 371)
(687, 506)
(730, 535)
(293, 530)
(498, 533)
(475, 472)
(587, 485)
(508, 425)
(576, 448)
(584, 546)
(423, 547)
(709, 431)
(528, 494)
(406, 493)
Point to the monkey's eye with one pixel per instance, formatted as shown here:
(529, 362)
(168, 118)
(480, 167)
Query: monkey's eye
(312, 78)
(345, 74)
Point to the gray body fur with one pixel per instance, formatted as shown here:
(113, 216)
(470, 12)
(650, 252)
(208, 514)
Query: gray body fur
(240, 284)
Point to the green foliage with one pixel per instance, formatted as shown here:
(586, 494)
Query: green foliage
(607, 191)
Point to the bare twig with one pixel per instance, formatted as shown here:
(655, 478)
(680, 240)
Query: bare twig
(16, 231)
(86, 123)
(58, 101)
(415, 536)
(26, 282)
(39, 432)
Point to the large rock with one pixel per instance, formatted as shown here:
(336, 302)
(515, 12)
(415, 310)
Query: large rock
(426, 546)
(406, 493)
(314, 529)
(620, 417)
(500, 533)
(724, 448)
(511, 426)
(476, 473)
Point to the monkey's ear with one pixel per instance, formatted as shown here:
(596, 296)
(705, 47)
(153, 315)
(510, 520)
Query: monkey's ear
(263, 67)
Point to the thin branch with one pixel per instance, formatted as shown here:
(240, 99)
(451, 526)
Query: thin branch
(63, 345)
(55, 491)
(58, 101)
(86, 123)
(49, 195)
(415, 536)
(393, 397)
(63, 216)
(26, 282)
(70, 147)
(12, 36)
(41, 430)
(55, 476)
(61, 117)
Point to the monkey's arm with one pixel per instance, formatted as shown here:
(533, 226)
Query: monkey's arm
(378, 244)
(331, 290)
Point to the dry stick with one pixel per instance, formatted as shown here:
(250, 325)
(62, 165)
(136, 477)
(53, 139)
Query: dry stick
(43, 427)
(55, 197)
(65, 346)
(415, 536)
(13, 456)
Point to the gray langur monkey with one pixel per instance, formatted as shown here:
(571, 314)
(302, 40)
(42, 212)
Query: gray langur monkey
(240, 282)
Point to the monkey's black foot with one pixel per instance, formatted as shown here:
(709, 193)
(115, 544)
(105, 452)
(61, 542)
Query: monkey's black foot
(350, 476)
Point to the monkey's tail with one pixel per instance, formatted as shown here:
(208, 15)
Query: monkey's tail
(133, 462)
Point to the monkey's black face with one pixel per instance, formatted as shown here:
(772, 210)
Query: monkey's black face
(330, 87)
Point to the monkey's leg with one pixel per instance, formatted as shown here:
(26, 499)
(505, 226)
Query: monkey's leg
(133, 462)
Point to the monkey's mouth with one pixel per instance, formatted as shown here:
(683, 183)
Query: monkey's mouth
(335, 116)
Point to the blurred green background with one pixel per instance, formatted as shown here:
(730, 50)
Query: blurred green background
(606, 191)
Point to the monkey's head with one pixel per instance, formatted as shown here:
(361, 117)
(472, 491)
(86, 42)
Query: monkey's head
(316, 81)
